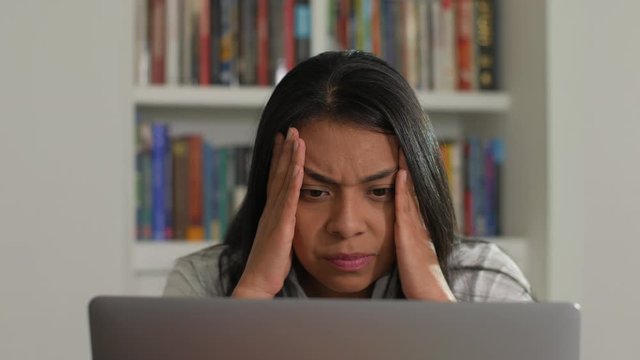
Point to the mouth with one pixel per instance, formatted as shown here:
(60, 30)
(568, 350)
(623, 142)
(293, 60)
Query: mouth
(350, 262)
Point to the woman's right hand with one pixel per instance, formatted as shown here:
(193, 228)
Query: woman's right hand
(270, 259)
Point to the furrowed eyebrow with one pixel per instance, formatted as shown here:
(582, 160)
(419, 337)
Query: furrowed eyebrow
(327, 180)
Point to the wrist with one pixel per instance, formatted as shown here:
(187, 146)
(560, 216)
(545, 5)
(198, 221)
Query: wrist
(246, 289)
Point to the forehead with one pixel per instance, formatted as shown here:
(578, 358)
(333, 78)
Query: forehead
(347, 152)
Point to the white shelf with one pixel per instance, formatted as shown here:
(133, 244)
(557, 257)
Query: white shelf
(211, 97)
(256, 97)
(159, 256)
(465, 102)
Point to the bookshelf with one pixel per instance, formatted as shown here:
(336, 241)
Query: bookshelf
(232, 110)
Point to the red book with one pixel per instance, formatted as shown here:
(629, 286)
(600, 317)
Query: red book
(376, 29)
(343, 24)
(289, 34)
(205, 43)
(157, 41)
(195, 227)
(263, 42)
(464, 40)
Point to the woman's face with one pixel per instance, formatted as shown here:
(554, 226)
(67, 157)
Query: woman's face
(345, 216)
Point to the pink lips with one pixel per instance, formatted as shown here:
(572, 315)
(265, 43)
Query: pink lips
(350, 262)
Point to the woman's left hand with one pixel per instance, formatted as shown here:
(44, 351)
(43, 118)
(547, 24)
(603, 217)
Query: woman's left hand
(418, 265)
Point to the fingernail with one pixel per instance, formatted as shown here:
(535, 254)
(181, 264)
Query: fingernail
(288, 134)
(295, 145)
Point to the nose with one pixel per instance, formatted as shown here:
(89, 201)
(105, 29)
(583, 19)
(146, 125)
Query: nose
(347, 217)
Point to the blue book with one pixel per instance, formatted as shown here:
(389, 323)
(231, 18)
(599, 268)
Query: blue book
(498, 157)
(223, 190)
(158, 154)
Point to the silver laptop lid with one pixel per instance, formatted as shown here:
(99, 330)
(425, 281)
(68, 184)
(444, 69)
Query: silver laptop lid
(124, 328)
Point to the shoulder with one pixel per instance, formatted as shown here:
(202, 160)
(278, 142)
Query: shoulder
(483, 272)
(196, 274)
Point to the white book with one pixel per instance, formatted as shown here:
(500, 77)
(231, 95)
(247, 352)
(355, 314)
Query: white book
(172, 49)
(443, 40)
(411, 28)
(424, 44)
(141, 66)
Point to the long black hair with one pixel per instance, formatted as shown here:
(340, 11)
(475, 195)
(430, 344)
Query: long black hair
(359, 88)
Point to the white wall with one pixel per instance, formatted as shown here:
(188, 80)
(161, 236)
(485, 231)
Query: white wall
(595, 168)
(63, 70)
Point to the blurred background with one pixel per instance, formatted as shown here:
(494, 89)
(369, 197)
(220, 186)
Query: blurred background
(92, 93)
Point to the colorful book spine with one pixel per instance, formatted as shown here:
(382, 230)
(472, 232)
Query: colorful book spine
(465, 45)
(288, 34)
(157, 181)
(302, 30)
(172, 53)
(141, 66)
(486, 43)
(158, 41)
(204, 36)
(146, 175)
(263, 43)
(180, 150)
(207, 190)
(228, 43)
(168, 184)
(247, 55)
(215, 34)
(195, 228)
(223, 193)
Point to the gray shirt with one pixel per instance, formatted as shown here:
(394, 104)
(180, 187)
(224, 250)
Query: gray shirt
(481, 272)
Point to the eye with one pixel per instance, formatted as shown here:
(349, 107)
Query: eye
(382, 193)
(313, 194)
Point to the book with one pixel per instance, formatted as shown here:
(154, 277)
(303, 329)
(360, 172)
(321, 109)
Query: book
(276, 39)
(466, 74)
(444, 46)
(172, 53)
(141, 65)
(248, 43)
(180, 151)
(157, 41)
(158, 224)
(195, 227)
(302, 30)
(186, 29)
(411, 43)
(288, 34)
(204, 36)
(207, 188)
(486, 44)
(228, 42)
(215, 32)
(146, 174)
(424, 45)
(263, 43)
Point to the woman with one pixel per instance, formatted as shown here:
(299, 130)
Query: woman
(347, 197)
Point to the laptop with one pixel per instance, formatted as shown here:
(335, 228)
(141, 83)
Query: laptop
(128, 328)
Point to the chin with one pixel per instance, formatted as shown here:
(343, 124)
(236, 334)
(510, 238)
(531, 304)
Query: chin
(348, 286)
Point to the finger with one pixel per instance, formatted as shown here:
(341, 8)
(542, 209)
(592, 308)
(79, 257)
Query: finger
(292, 195)
(275, 160)
(280, 174)
(407, 208)
(290, 191)
(402, 164)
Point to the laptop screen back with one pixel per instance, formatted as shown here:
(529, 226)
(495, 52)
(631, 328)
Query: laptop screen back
(196, 329)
